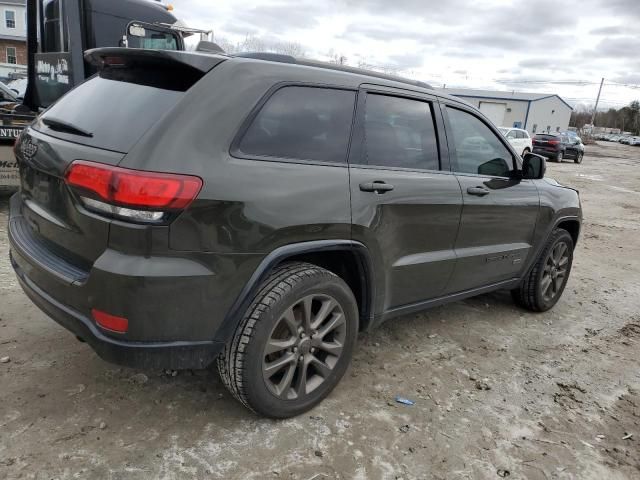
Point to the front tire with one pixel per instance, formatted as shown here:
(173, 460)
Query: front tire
(293, 344)
(579, 157)
(543, 286)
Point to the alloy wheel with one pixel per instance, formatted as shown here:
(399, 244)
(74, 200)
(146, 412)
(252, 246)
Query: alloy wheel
(304, 347)
(555, 271)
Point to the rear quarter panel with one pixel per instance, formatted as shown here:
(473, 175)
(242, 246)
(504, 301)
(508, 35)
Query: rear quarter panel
(245, 206)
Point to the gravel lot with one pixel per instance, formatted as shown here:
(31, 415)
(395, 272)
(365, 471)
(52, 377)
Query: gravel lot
(499, 392)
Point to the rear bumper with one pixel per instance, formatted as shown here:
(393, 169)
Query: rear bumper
(175, 302)
(152, 355)
(546, 153)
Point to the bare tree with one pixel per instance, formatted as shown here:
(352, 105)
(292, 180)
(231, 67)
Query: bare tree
(337, 58)
(253, 43)
(386, 69)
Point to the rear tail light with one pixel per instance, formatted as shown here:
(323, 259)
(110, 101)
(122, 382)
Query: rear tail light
(554, 142)
(135, 195)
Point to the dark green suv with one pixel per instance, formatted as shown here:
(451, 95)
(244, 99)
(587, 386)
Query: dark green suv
(180, 209)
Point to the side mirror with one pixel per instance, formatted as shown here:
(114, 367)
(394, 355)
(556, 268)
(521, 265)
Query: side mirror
(533, 167)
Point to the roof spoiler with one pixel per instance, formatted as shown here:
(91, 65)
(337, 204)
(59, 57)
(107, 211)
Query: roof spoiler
(129, 57)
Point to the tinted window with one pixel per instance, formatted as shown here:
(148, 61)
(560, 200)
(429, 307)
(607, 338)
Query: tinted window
(512, 134)
(478, 149)
(129, 102)
(399, 133)
(302, 123)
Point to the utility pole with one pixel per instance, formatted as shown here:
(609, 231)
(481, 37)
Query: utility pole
(595, 110)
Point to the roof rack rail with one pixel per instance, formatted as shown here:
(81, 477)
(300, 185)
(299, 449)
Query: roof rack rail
(277, 57)
(270, 57)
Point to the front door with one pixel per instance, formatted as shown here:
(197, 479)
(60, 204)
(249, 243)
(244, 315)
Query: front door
(405, 208)
(499, 211)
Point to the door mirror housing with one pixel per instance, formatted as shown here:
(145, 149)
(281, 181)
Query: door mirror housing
(533, 167)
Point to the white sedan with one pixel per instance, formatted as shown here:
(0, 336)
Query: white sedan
(518, 138)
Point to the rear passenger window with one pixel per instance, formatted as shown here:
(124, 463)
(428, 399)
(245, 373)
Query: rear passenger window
(399, 132)
(303, 123)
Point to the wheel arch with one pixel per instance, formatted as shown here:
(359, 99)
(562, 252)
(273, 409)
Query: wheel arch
(348, 259)
(571, 225)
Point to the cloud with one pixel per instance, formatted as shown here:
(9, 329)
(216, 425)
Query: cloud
(433, 40)
(632, 78)
(609, 31)
(405, 61)
(623, 47)
(281, 16)
(387, 33)
(549, 64)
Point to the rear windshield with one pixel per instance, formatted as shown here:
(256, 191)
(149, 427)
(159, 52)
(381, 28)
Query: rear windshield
(115, 108)
(547, 137)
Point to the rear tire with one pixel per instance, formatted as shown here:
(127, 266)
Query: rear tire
(542, 287)
(560, 157)
(579, 157)
(293, 344)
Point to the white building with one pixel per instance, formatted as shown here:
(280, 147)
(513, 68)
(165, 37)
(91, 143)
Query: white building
(535, 112)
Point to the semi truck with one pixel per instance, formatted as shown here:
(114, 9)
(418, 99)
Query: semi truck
(58, 33)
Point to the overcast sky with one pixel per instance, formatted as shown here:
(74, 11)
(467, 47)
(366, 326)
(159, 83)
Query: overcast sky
(499, 44)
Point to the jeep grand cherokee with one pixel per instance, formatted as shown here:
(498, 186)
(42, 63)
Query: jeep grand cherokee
(181, 209)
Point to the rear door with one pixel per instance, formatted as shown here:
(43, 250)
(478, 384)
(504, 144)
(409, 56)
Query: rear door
(405, 207)
(499, 211)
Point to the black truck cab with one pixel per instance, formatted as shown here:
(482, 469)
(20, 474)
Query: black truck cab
(66, 28)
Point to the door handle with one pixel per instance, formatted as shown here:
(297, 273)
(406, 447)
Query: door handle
(377, 187)
(478, 191)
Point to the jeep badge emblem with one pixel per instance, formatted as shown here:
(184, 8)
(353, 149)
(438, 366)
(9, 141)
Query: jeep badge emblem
(28, 148)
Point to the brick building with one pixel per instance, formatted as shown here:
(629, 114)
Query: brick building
(13, 38)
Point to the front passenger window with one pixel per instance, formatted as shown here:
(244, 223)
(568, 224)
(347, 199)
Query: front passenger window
(478, 150)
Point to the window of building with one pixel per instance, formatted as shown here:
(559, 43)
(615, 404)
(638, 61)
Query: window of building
(10, 18)
(400, 133)
(11, 55)
(302, 123)
(478, 150)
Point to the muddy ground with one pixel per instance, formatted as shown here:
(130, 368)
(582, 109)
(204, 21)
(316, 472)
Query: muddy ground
(499, 392)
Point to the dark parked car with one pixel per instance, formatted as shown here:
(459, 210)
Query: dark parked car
(261, 211)
(558, 146)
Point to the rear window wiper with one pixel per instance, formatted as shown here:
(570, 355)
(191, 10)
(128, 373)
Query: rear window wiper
(62, 126)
